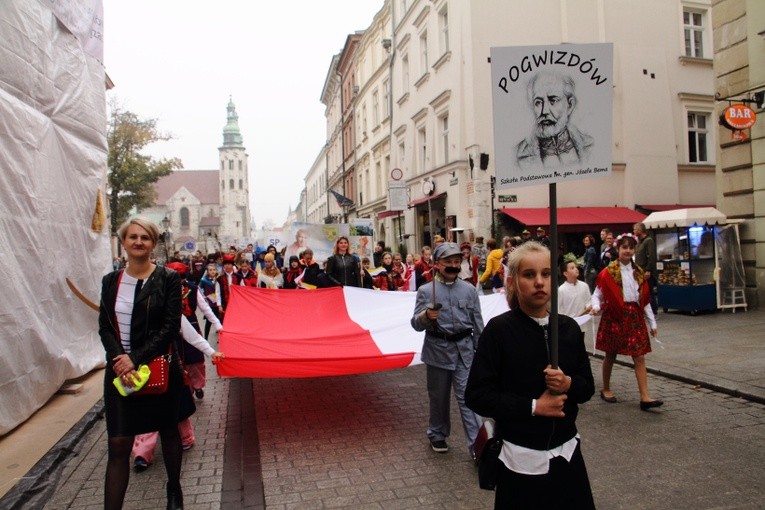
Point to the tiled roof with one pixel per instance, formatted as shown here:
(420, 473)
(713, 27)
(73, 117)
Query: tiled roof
(203, 184)
(209, 221)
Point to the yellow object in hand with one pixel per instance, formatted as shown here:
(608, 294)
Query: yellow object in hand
(138, 381)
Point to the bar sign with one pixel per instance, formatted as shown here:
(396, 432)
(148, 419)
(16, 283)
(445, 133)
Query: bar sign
(507, 198)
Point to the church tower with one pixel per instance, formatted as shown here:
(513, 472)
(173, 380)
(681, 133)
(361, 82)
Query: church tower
(234, 185)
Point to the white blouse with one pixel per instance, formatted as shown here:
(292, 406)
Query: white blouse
(631, 294)
(123, 307)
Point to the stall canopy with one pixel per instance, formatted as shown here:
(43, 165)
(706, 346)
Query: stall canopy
(425, 199)
(685, 218)
(386, 214)
(575, 215)
(668, 207)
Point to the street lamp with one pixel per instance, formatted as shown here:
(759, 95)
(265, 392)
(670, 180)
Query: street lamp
(166, 237)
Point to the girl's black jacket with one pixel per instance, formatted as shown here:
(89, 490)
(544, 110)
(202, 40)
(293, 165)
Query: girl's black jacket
(507, 373)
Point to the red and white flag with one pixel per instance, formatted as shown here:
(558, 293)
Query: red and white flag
(323, 332)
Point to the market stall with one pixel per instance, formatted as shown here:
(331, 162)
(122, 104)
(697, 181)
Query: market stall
(699, 261)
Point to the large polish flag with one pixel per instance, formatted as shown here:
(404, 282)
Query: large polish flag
(323, 332)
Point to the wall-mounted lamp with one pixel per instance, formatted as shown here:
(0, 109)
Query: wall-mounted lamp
(759, 98)
(484, 161)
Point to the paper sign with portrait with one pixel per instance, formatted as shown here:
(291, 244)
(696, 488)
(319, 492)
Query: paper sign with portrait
(319, 237)
(552, 109)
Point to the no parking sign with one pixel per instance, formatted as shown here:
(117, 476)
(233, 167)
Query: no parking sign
(190, 246)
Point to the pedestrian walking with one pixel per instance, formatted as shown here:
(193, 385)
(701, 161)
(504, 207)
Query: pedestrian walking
(574, 298)
(209, 287)
(343, 269)
(468, 265)
(534, 406)
(590, 262)
(645, 257)
(139, 319)
(493, 273)
(623, 295)
(449, 312)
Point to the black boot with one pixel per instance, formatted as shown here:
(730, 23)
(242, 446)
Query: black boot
(174, 498)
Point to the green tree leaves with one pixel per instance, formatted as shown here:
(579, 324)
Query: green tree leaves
(132, 174)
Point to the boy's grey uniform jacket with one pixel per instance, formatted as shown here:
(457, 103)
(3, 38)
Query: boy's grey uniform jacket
(461, 310)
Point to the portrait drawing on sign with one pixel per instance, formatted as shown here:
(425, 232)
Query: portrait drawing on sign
(554, 141)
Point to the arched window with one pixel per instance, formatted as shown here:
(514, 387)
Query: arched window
(230, 164)
(240, 164)
(240, 184)
(221, 166)
(184, 217)
(231, 184)
(222, 185)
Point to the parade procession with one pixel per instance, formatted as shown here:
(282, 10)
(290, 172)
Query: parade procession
(386, 254)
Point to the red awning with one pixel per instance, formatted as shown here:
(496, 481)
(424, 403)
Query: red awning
(669, 207)
(575, 215)
(425, 199)
(386, 214)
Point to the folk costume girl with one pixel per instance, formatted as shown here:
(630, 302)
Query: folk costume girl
(145, 444)
(247, 277)
(411, 280)
(623, 294)
(193, 358)
(400, 268)
(293, 272)
(209, 286)
(391, 279)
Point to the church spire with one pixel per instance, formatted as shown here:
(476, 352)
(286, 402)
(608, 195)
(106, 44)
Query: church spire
(232, 137)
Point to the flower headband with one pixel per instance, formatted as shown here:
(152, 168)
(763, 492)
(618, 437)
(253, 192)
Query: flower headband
(622, 236)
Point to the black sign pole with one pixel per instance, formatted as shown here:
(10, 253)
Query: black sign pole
(554, 275)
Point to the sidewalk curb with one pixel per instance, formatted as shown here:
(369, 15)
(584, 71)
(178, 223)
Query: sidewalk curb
(734, 392)
(40, 482)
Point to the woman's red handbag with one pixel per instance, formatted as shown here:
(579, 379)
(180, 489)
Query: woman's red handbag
(159, 378)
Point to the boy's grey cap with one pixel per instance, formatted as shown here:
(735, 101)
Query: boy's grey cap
(446, 250)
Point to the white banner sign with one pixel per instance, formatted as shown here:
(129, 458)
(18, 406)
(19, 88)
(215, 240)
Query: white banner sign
(398, 196)
(552, 108)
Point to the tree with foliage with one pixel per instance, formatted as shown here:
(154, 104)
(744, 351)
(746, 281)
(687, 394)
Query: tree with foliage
(132, 174)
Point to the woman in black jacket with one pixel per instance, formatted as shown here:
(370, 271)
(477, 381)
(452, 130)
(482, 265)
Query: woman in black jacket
(140, 319)
(534, 405)
(342, 267)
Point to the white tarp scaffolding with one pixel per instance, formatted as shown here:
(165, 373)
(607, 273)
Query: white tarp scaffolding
(53, 156)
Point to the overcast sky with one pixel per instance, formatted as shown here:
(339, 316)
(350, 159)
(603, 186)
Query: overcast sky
(178, 62)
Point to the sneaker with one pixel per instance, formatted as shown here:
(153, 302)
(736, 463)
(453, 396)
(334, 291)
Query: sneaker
(140, 464)
(439, 446)
(200, 394)
(187, 446)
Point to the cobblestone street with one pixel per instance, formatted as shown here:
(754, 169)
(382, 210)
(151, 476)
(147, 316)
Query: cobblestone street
(359, 441)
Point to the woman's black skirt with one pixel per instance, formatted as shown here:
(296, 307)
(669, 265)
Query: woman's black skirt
(139, 414)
